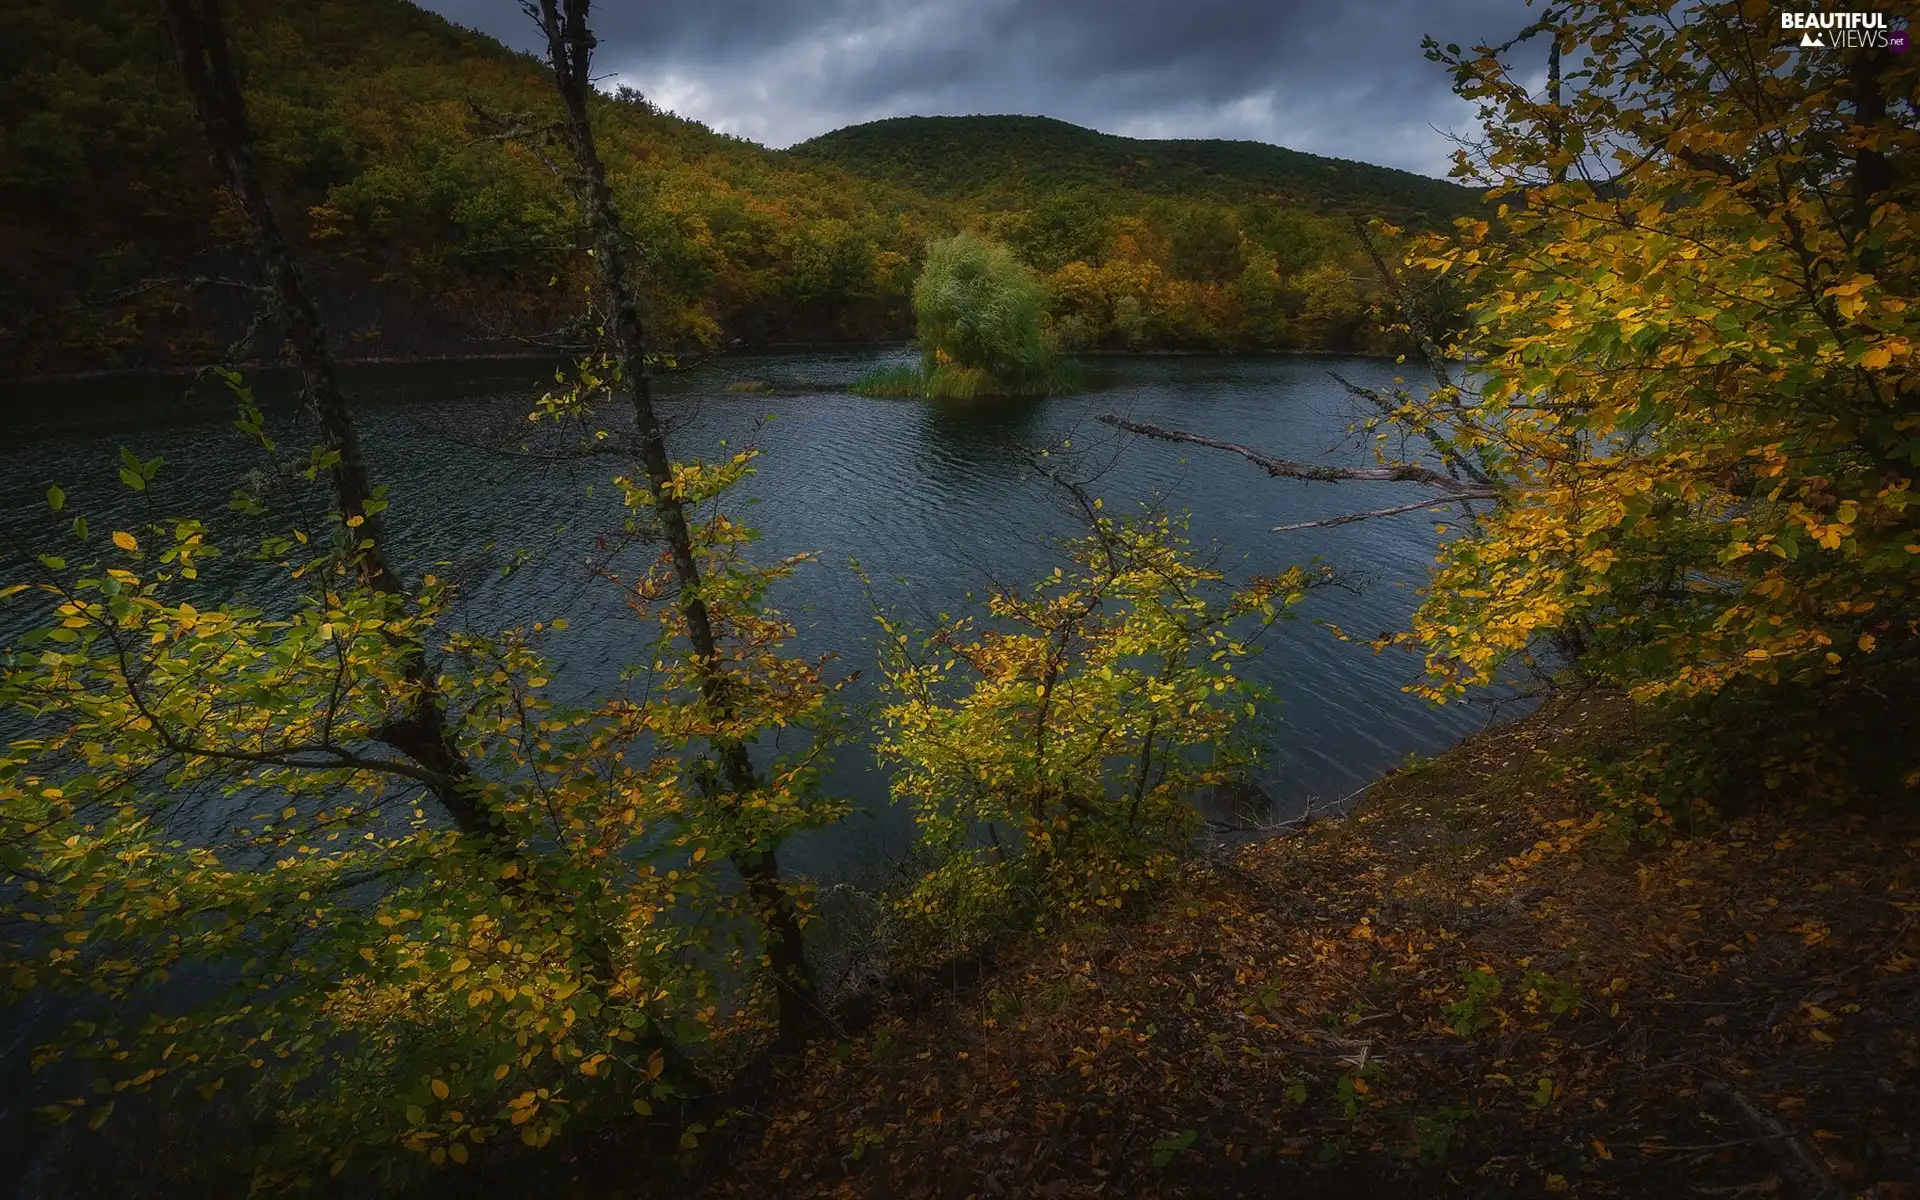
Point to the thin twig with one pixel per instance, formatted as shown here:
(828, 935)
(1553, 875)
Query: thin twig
(1787, 1146)
(1431, 502)
(1282, 468)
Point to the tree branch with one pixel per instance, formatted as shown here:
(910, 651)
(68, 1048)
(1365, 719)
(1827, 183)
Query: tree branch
(1457, 463)
(1409, 308)
(1787, 1147)
(1434, 502)
(1281, 468)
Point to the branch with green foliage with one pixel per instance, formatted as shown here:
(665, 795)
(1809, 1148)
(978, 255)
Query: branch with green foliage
(1081, 719)
(733, 785)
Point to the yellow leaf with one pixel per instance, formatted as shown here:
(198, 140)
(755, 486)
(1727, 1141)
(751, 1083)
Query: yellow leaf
(440, 1088)
(457, 1152)
(125, 541)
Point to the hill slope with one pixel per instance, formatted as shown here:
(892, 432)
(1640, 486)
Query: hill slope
(431, 235)
(428, 233)
(961, 157)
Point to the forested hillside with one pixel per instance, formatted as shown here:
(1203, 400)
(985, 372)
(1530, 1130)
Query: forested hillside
(1027, 156)
(388, 132)
(381, 124)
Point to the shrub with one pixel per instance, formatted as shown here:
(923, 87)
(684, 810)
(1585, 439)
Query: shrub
(979, 312)
(1050, 752)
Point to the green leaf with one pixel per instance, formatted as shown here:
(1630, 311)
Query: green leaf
(1165, 1149)
(56, 499)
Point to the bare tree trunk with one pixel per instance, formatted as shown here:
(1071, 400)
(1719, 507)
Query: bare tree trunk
(206, 66)
(1557, 130)
(570, 51)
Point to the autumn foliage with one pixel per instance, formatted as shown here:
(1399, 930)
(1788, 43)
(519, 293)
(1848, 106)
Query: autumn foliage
(1694, 343)
(1051, 748)
(207, 837)
(390, 137)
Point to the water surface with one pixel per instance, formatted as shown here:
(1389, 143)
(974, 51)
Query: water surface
(927, 496)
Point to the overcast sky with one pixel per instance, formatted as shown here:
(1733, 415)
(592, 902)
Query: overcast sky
(1337, 77)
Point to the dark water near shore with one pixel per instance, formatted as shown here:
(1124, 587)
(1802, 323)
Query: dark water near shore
(926, 496)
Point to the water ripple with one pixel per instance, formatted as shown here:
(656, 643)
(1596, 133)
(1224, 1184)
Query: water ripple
(926, 496)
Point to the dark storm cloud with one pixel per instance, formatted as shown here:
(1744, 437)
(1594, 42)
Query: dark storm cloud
(1339, 77)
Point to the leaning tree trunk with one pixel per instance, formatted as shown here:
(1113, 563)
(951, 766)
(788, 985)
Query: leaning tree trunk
(570, 50)
(206, 66)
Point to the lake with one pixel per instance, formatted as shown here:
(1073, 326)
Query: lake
(927, 496)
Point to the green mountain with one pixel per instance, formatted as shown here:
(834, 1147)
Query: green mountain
(973, 157)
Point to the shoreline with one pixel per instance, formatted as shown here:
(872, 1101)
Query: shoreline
(768, 349)
(1472, 977)
(188, 372)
